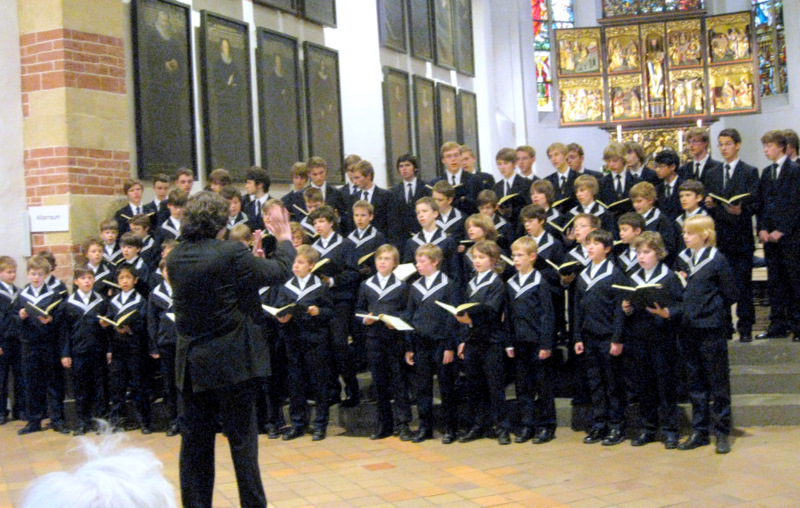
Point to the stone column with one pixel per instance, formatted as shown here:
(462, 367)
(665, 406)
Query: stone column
(76, 115)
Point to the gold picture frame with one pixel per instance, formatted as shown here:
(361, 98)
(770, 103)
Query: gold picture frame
(684, 43)
(729, 38)
(623, 51)
(582, 101)
(687, 96)
(626, 99)
(654, 49)
(731, 89)
(579, 51)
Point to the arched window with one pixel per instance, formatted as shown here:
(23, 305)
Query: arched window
(547, 15)
(771, 46)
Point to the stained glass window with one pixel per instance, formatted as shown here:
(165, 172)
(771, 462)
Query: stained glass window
(547, 15)
(771, 46)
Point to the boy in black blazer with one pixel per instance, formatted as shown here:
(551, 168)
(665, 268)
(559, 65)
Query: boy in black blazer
(643, 195)
(336, 199)
(170, 229)
(430, 232)
(599, 321)
(702, 167)
(562, 179)
(133, 189)
(530, 314)
(656, 340)
(257, 184)
(634, 163)
(366, 237)
(586, 189)
(616, 185)
(383, 293)
(734, 224)
(450, 219)
(305, 331)
(431, 347)
(406, 193)
(83, 347)
(509, 184)
(631, 225)
(293, 200)
(486, 344)
(710, 291)
(667, 191)
(466, 185)
(778, 226)
(10, 359)
(380, 199)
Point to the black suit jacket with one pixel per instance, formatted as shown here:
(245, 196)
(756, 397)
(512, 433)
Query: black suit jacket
(404, 218)
(735, 232)
(567, 192)
(710, 173)
(511, 208)
(215, 295)
(648, 175)
(671, 207)
(608, 194)
(466, 192)
(340, 202)
(383, 204)
(124, 215)
(777, 206)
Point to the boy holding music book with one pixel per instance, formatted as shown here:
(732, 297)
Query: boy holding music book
(127, 350)
(542, 195)
(102, 270)
(37, 310)
(656, 343)
(531, 316)
(586, 189)
(163, 338)
(616, 184)
(598, 329)
(83, 347)
(512, 189)
(487, 206)
(365, 237)
(380, 307)
(307, 318)
(431, 232)
(486, 345)
(431, 347)
(690, 194)
(340, 274)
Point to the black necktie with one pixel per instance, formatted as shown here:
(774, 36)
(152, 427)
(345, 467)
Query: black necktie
(365, 196)
(774, 172)
(694, 259)
(667, 191)
(506, 191)
(409, 194)
(561, 183)
(618, 186)
(697, 170)
(453, 180)
(727, 176)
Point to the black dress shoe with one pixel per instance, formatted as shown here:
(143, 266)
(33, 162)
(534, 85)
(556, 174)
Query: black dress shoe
(30, 428)
(772, 333)
(318, 435)
(594, 436)
(146, 430)
(671, 441)
(544, 436)
(59, 426)
(450, 437)
(422, 435)
(523, 435)
(404, 433)
(274, 432)
(745, 336)
(614, 437)
(723, 444)
(643, 439)
(294, 433)
(696, 440)
(473, 434)
(380, 434)
(173, 430)
(503, 437)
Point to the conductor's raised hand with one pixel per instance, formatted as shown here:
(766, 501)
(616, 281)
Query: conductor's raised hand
(277, 222)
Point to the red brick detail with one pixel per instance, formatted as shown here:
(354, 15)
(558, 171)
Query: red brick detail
(70, 58)
(59, 170)
(65, 254)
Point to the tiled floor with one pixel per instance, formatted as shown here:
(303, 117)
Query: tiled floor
(762, 470)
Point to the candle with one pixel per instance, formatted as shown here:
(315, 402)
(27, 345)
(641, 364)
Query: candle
(619, 134)
(700, 123)
(680, 142)
(636, 137)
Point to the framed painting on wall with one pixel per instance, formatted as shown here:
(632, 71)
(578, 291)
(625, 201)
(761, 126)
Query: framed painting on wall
(443, 33)
(729, 37)
(625, 95)
(420, 30)
(322, 12)
(392, 25)
(623, 53)
(323, 108)
(425, 128)
(227, 99)
(162, 76)
(731, 89)
(579, 51)
(446, 119)
(284, 5)
(684, 43)
(397, 118)
(279, 89)
(687, 93)
(462, 24)
(467, 114)
(582, 101)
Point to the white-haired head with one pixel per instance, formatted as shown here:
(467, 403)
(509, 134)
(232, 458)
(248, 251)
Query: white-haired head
(112, 477)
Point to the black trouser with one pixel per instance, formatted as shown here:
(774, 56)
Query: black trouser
(783, 283)
(742, 267)
(126, 370)
(386, 356)
(235, 406)
(655, 365)
(705, 351)
(483, 364)
(605, 374)
(88, 371)
(272, 389)
(44, 382)
(428, 356)
(537, 404)
(166, 355)
(11, 368)
(342, 354)
(307, 363)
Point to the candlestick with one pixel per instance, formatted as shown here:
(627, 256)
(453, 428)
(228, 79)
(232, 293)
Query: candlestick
(619, 134)
(700, 123)
(680, 142)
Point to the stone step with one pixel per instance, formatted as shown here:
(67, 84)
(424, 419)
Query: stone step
(764, 352)
(765, 379)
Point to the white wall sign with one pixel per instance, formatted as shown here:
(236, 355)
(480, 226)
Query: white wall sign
(45, 219)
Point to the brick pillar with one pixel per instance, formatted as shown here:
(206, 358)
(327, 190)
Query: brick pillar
(77, 132)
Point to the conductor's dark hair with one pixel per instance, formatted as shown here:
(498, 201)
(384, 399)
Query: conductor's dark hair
(206, 213)
(409, 158)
